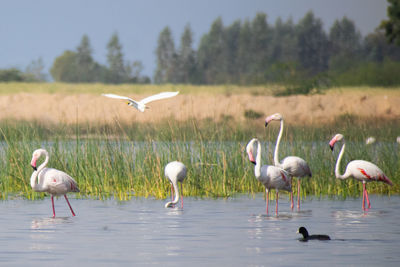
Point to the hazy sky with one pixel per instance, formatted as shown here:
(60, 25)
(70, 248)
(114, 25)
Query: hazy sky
(30, 29)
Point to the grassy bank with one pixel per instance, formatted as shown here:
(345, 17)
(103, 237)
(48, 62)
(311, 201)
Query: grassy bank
(124, 161)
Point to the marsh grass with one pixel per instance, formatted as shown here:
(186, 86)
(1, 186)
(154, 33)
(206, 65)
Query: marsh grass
(125, 161)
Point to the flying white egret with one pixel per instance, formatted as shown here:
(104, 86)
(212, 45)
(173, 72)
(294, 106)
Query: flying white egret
(141, 105)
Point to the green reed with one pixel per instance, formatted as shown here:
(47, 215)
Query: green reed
(125, 161)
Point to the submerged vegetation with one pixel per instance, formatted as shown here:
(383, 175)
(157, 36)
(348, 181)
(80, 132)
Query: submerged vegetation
(125, 161)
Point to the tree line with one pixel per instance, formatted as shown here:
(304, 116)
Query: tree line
(255, 52)
(245, 52)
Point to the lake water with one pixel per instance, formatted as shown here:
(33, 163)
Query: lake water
(207, 232)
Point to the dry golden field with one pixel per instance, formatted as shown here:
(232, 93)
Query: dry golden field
(64, 103)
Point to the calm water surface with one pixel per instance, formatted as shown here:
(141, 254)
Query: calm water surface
(233, 232)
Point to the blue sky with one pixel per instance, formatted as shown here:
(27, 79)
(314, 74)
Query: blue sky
(30, 29)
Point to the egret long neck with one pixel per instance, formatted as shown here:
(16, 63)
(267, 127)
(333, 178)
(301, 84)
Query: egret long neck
(337, 166)
(257, 168)
(38, 186)
(278, 141)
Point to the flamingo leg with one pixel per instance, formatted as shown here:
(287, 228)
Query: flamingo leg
(276, 202)
(366, 197)
(52, 203)
(298, 194)
(267, 200)
(181, 197)
(291, 200)
(363, 199)
(72, 211)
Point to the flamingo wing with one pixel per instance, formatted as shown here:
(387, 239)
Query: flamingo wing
(158, 97)
(58, 182)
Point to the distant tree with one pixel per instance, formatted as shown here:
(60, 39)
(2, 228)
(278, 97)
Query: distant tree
(88, 70)
(210, 54)
(345, 45)
(166, 57)
(312, 44)
(64, 67)
(12, 75)
(283, 43)
(35, 70)
(392, 25)
(244, 55)
(377, 49)
(186, 69)
(116, 66)
(261, 36)
(230, 52)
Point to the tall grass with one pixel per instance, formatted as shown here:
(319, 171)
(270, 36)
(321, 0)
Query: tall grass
(125, 161)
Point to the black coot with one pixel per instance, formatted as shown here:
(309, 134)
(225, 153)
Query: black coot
(302, 230)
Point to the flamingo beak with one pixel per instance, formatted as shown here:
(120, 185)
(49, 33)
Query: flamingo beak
(266, 124)
(332, 143)
(251, 158)
(33, 163)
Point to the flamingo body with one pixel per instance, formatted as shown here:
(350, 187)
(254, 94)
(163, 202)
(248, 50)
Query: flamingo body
(295, 166)
(52, 181)
(175, 171)
(361, 170)
(271, 177)
(366, 171)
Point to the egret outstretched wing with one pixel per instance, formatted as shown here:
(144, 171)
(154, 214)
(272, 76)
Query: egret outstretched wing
(119, 97)
(158, 97)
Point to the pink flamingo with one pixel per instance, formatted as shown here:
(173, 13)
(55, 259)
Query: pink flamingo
(361, 170)
(175, 171)
(52, 181)
(295, 166)
(271, 177)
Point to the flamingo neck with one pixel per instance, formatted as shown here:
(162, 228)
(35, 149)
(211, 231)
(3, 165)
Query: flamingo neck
(176, 198)
(257, 168)
(38, 186)
(337, 167)
(278, 141)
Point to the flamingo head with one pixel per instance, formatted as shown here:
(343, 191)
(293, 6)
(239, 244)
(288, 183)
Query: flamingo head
(273, 117)
(36, 155)
(333, 141)
(250, 148)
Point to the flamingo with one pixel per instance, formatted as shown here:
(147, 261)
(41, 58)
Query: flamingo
(361, 170)
(398, 139)
(52, 181)
(141, 105)
(271, 177)
(295, 166)
(175, 171)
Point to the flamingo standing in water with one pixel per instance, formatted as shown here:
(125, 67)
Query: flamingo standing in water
(295, 166)
(175, 171)
(271, 177)
(52, 181)
(361, 170)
